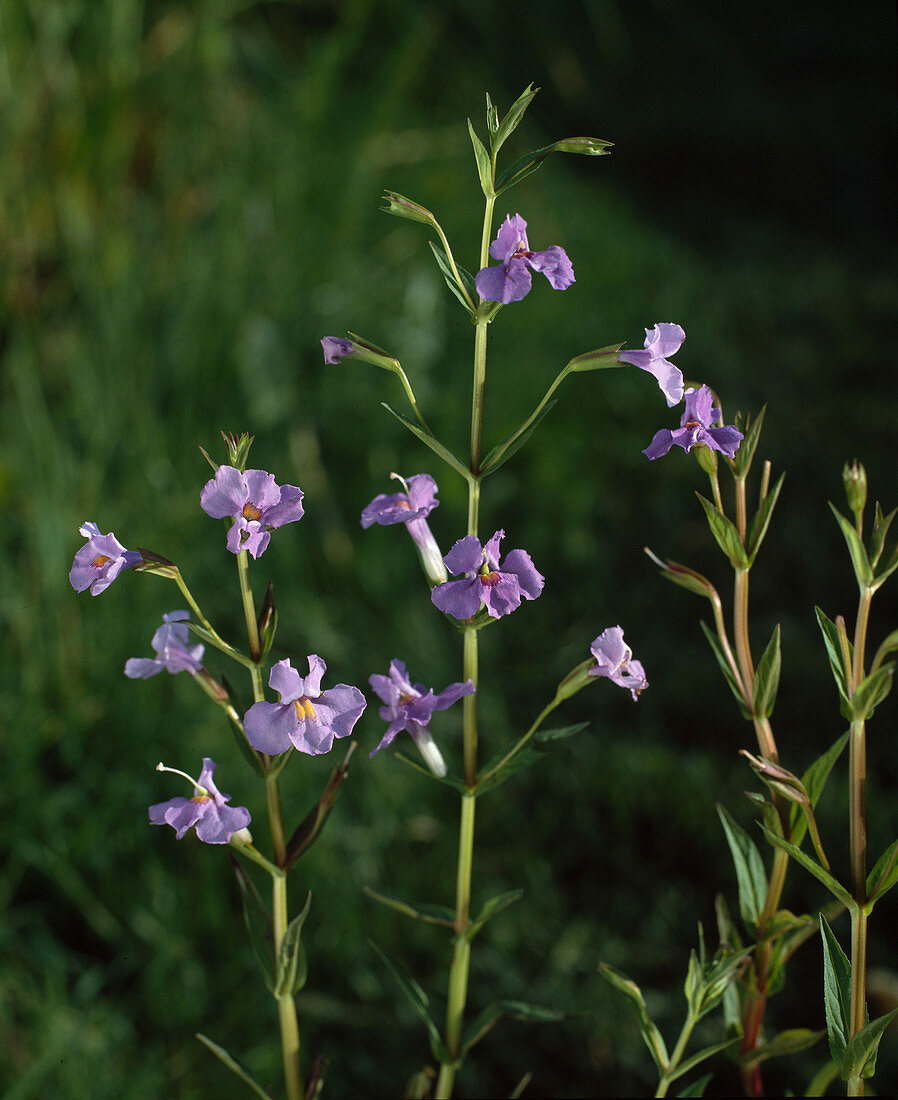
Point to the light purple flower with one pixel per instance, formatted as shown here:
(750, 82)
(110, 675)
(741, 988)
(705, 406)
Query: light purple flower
(306, 717)
(99, 561)
(615, 660)
(696, 426)
(660, 342)
(336, 348)
(215, 821)
(510, 282)
(409, 707)
(170, 643)
(499, 588)
(410, 508)
(257, 503)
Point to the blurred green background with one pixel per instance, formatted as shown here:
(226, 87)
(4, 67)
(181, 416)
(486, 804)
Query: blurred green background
(189, 196)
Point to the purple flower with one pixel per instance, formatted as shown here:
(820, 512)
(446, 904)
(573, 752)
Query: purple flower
(257, 503)
(500, 589)
(510, 282)
(170, 643)
(410, 508)
(409, 707)
(336, 348)
(215, 821)
(306, 717)
(662, 340)
(696, 427)
(99, 561)
(615, 660)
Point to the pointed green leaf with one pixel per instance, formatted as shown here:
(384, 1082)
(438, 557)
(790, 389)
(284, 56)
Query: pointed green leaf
(860, 1056)
(523, 166)
(492, 116)
(761, 521)
(291, 972)
(449, 780)
(222, 1055)
(490, 909)
(790, 1041)
(750, 875)
(517, 763)
(887, 570)
(888, 645)
(484, 163)
(430, 914)
(814, 780)
(309, 829)
(724, 665)
(516, 1010)
(451, 281)
(836, 993)
(434, 444)
(752, 430)
(560, 734)
(650, 1033)
(725, 534)
(830, 633)
(809, 864)
(258, 922)
(859, 559)
(701, 1056)
(509, 446)
(419, 1002)
(883, 876)
(697, 1088)
(267, 621)
(515, 113)
(871, 691)
(767, 678)
(880, 530)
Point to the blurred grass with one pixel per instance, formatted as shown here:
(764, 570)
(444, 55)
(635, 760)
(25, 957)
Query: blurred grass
(190, 195)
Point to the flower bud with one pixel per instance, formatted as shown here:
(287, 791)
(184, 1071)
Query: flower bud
(854, 478)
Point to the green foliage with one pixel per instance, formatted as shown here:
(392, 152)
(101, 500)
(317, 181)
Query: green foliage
(751, 877)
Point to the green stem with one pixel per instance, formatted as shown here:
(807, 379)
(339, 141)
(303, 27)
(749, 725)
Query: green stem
(666, 1078)
(516, 748)
(409, 393)
(286, 1003)
(216, 638)
(479, 383)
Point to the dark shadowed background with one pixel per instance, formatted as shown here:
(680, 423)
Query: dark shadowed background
(190, 195)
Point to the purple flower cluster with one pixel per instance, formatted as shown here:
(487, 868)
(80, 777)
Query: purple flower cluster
(498, 588)
(305, 717)
(614, 659)
(409, 707)
(697, 427)
(510, 281)
(99, 561)
(256, 503)
(173, 653)
(215, 821)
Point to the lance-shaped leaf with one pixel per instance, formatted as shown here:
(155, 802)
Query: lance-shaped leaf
(697, 1088)
(650, 1033)
(820, 873)
(490, 909)
(859, 559)
(836, 993)
(813, 781)
(258, 922)
(790, 1041)
(751, 431)
(524, 759)
(887, 570)
(888, 645)
(512, 443)
(291, 966)
(725, 668)
(883, 876)
(434, 444)
(233, 1065)
(725, 534)
(761, 521)
(484, 163)
(870, 692)
(462, 287)
(860, 1055)
(561, 733)
(429, 914)
(420, 1002)
(750, 875)
(267, 622)
(308, 830)
(767, 678)
(516, 1010)
(588, 146)
(696, 1059)
(881, 525)
(505, 128)
(830, 633)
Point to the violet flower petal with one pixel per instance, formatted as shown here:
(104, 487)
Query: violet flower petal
(336, 349)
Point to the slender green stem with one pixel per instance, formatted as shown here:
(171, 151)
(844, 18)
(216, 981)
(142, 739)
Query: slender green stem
(715, 489)
(216, 638)
(675, 1058)
(860, 636)
(470, 671)
(409, 393)
(520, 744)
(286, 1003)
(740, 628)
(479, 383)
(452, 264)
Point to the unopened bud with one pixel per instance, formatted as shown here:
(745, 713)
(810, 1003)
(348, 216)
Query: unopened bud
(854, 477)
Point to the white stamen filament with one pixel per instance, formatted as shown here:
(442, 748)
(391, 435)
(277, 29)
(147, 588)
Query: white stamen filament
(160, 767)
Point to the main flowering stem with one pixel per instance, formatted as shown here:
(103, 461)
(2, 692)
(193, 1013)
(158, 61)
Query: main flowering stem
(289, 1026)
